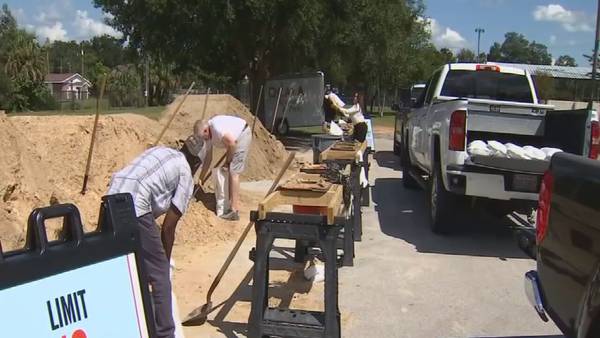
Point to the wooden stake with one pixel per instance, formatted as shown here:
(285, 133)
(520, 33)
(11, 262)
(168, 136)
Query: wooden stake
(276, 108)
(162, 133)
(256, 110)
(93, 140)
(287, 105)
(205, 104)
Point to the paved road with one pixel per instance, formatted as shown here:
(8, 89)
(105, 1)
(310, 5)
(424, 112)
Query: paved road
(408, 282)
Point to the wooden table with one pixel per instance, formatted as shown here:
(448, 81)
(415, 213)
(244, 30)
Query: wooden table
(343, 151)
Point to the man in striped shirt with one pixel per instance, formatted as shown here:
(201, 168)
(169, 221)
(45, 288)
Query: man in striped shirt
(160, 182)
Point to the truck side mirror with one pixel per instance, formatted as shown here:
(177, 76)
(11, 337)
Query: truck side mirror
(413, 102)
(405, 97)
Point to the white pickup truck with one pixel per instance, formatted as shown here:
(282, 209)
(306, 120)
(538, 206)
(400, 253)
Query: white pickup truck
(466, 102)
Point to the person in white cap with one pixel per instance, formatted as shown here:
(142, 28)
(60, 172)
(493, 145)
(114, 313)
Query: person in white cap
(160, 182)
(233, 134)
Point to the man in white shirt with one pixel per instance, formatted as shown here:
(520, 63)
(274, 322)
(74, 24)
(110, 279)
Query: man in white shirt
(160, 182)
(233, 134)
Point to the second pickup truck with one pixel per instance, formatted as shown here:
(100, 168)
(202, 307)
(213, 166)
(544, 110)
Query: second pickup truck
(462, 103)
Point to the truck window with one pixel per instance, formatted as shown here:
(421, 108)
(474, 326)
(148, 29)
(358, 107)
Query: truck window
(487, 85)
(431, 86)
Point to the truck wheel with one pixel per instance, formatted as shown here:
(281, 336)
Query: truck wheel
(441, 204)
(282, 127)
(407, 180)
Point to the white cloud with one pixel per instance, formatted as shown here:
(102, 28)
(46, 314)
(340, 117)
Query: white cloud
(87, 27)
(572, 21)
(444, 37)
(552, 39)
(52, 33)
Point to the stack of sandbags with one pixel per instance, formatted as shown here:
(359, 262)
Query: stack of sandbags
(510, 150)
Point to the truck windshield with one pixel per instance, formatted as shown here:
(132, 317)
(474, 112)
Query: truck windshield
(487, 85)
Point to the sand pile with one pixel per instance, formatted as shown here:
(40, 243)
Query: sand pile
(43, 161)
(267, 153)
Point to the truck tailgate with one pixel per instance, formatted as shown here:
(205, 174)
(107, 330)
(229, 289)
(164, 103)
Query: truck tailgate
(506, 118)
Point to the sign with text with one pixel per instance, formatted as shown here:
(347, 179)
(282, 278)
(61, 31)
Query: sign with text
(98, 300)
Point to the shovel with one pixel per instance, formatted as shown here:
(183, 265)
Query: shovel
(199, 315)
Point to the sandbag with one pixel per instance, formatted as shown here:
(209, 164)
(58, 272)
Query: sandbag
(550, 152)
(534, 153)
(497, 149)
(335, 130)
(514, 151)
(478, 147)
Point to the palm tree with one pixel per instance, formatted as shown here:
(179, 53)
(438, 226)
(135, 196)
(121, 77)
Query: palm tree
(26, 61)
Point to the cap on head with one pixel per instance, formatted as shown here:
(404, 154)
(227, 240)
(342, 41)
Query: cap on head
(194, 145)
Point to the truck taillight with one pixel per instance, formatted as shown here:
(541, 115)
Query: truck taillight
(458, 130)
(595, 140)
(544, 203)
(487, 68)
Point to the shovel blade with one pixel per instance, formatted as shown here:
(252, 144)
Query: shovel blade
(198, 316)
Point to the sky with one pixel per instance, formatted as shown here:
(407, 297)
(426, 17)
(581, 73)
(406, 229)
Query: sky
(566, 27)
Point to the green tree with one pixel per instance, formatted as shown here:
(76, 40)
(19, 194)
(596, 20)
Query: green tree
(124, 87)
(447, 55)
(517, 49)
(353, 41)
(566, 60)
(25, 60)
(465, 55)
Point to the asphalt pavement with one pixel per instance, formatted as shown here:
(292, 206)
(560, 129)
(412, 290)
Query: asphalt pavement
(408, 282)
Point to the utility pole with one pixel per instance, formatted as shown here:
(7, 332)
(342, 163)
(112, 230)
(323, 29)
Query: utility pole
(595, 61)
(82, 61)
(479, 31)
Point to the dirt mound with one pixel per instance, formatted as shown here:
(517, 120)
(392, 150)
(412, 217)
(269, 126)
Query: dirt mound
(43, 161)
(266, 154)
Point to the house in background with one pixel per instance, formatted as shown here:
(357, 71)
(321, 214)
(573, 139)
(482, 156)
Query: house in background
(69, 86)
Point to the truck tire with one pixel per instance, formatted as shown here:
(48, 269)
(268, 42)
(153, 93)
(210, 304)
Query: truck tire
(442, 204)
(407, 180)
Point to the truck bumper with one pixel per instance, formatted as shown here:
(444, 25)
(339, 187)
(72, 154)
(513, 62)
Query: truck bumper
(532, 290)
(489, 183)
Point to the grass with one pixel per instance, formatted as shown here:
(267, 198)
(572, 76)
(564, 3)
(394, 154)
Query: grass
(150, 112)
(388, 119)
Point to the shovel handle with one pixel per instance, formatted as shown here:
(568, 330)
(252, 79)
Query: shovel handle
(237, 246)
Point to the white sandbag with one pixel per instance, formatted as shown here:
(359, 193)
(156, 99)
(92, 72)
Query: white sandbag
(534, 153)
(514, 151)
(550, 152)
(497, 149)
(315, 272)
(221, 182)
(478, 147)
(175, 306)
(335, 130)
